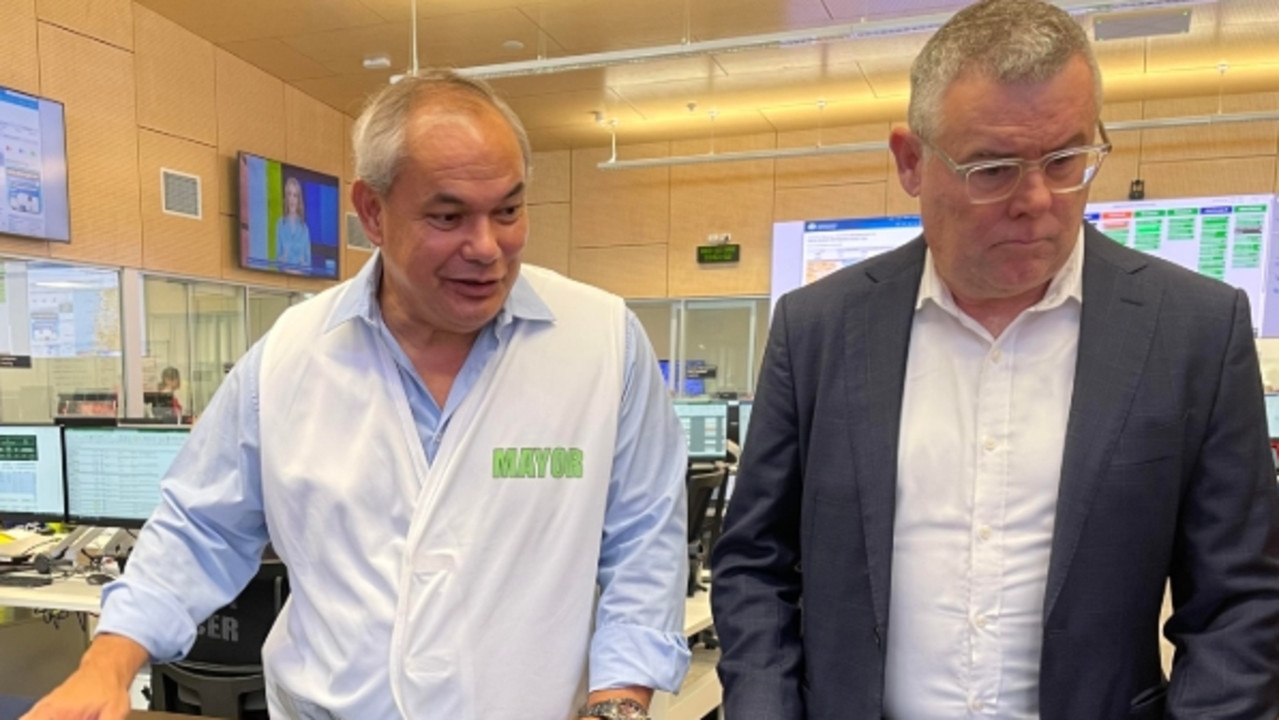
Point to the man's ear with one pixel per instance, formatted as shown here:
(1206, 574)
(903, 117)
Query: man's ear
(908, 152)
(368, 205)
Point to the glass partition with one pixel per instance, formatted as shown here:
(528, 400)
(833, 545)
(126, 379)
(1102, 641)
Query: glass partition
(714, 346)
(192, 333)
(60, 341)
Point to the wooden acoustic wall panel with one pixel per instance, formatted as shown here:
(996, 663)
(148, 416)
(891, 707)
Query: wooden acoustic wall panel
(632, 271)
(896, 201)
(229, 245)
(13, 245)
(862, 167)
(172, 243)
(348, 150)
(175, 79)
(550, 182)
(1120, 167)
(19, 62)
(353, 260)
(96, 83)
(1213, 141)
(548, 236)
(716, 198)
(250, 118)
(1191, 178)
(829, 202)
(110, 21)
(302, 284)
(620, 207)
(313, 136)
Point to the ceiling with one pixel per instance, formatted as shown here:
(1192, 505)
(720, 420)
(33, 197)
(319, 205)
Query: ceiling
(319, 45)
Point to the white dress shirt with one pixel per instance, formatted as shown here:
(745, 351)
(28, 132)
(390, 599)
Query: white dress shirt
(979, 463)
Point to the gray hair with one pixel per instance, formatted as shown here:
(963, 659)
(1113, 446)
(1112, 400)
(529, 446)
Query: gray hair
(1007, 40)
(378, 135)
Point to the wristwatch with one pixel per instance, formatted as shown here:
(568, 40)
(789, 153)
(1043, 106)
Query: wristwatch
(615, 709)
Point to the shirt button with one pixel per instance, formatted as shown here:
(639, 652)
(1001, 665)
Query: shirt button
(989, 443)
(976, 705)
(996, 356)
(980, 621)
(984, 532)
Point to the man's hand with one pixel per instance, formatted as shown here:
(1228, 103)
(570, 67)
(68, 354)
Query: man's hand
(99, 690)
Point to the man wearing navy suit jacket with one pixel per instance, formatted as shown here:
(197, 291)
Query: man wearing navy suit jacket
(976, 461)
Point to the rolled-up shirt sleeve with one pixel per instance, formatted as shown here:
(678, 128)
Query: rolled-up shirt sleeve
(643, 568)
(204, 541)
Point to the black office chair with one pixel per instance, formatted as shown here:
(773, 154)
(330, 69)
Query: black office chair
(702, 484)
(222, 675)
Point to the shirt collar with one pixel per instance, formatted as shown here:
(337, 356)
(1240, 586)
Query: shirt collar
(359, 301)
(1068, 283)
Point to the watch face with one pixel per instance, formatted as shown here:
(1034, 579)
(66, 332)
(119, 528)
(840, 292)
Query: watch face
(625, 709)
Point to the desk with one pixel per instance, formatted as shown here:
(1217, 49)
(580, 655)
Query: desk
(701, 693)
(72, 594)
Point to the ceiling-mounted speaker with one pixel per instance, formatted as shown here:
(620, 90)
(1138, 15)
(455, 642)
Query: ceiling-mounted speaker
(1123, 26)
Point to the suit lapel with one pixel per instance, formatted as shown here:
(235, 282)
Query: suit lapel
(877, 334)
(1117, 324)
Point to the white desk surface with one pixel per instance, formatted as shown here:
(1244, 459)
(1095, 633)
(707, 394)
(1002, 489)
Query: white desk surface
(701, 692)
(697, 613)
(72, 594)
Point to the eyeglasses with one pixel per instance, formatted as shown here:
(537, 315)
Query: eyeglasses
(1065, 171)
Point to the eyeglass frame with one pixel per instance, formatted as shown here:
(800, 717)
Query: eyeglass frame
(966, 169)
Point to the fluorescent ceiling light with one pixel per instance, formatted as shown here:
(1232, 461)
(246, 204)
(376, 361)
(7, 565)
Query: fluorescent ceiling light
(850, 31)
(793, 152)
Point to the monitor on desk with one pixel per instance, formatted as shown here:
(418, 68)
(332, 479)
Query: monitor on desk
(31, 474)
(705, 429)
(1272, 414)
(114, 473)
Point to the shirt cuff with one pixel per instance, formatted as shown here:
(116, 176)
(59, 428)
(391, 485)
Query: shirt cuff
(150, 619)
(626, 655)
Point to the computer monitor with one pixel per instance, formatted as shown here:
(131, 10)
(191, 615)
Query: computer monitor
(1272, 414)
(31, 474)
(114, 473)
(743, 422)
(705, 429)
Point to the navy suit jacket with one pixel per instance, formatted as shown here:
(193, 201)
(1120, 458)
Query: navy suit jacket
(1166, 475)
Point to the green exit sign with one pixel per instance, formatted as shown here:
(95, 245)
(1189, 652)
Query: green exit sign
(711, 254)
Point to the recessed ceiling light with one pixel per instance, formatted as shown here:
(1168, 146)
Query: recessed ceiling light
(513, 45)
(377, 62)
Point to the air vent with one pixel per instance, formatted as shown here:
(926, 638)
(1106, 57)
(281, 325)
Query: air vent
(355, 236)
(180, 193)
(1124, 26)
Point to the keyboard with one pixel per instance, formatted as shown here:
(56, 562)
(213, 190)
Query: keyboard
(25, 579)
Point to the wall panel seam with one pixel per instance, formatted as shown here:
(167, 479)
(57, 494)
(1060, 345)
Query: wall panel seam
(86, 36)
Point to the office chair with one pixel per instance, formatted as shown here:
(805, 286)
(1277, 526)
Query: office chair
(702, 484)
(222, 675)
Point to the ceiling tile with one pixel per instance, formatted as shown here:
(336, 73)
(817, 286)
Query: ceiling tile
(231, 20)
(346, 93)
(589, 26)
(716, 19)
(572, 108)
(277, 58)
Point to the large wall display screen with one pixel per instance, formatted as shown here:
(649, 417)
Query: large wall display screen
(1230, 238)
(33, 167)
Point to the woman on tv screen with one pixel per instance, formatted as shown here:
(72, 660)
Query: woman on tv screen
(293, 238)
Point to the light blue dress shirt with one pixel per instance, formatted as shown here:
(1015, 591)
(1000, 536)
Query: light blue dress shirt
(203, 542)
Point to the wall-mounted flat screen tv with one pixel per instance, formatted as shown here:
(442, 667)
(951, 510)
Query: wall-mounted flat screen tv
(288, 218)
(33, 167)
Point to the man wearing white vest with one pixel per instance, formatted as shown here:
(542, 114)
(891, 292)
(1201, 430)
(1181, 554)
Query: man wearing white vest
(450, 453)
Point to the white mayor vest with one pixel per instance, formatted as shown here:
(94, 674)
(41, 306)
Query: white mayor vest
(460, 590)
